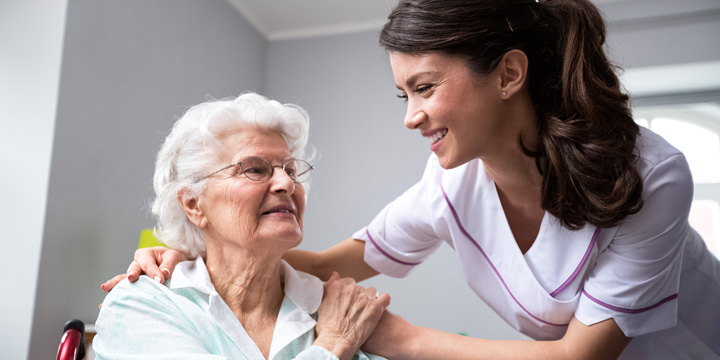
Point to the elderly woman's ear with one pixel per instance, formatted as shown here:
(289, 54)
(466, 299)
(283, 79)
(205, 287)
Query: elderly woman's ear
(191, 204)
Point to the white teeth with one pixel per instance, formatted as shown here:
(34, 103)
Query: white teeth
(437, 136)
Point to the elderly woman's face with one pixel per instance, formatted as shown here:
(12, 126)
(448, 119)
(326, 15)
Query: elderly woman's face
(262, 215)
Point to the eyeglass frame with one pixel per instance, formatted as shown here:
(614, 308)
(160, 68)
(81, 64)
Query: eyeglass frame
(272, 169)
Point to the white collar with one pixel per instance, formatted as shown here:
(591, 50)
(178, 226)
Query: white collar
(303, 289)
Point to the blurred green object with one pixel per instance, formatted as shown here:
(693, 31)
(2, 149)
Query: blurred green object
(148, 239)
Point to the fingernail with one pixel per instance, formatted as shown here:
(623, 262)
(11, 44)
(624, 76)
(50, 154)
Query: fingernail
(166, 271)
(100, 306)
(102, 287)
(157, 278)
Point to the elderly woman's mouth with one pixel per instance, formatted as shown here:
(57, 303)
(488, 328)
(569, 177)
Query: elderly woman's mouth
(280, 210)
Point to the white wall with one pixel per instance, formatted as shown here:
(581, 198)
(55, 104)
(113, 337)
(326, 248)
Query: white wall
(31, 33)
(129, 69)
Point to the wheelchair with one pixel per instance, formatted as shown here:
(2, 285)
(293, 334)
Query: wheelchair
(72, 343)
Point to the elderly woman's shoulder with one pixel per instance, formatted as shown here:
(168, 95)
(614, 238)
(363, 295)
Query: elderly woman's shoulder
(143, 287)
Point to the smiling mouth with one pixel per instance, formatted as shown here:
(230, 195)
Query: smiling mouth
(437, 136)
(278, 211)
(281, 211)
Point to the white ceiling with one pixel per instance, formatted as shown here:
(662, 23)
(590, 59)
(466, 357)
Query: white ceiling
(286, 19)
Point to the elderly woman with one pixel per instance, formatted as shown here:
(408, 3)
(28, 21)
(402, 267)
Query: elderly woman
(229, 186)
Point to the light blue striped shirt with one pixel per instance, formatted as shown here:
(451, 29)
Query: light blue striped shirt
(187, 319)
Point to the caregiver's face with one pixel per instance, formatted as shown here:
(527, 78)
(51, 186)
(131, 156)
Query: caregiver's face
(262, 215)
(457, 110)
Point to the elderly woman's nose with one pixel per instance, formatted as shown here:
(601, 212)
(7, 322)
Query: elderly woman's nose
(282, 182)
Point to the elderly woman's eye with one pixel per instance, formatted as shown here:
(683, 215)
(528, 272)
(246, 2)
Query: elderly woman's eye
(255, 170)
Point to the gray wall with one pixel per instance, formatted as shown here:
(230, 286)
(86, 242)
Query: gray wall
(654, 33)
(129, 68)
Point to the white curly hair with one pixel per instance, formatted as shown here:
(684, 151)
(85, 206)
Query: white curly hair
(191, 148)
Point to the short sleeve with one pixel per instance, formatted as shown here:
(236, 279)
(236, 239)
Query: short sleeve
(140, 321)
(402, 235)
(636, 278)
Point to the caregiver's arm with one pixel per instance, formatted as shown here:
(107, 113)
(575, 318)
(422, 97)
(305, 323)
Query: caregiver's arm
(395, 338)
(345, 257)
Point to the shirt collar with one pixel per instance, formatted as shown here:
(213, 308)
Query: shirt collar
(303, 289)
(194, 274)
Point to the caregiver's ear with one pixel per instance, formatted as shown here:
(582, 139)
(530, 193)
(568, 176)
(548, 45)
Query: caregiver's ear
(512, 71)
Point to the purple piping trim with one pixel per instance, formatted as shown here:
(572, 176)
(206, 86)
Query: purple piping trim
(580, 265)
(462, 229)
(630, 311)
(386, 254)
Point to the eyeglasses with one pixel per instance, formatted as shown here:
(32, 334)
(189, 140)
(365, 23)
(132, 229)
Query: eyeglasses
(257, 168)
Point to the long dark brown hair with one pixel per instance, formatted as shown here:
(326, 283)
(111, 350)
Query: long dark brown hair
(586, 134)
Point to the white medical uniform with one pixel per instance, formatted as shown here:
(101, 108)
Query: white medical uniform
(653, 274)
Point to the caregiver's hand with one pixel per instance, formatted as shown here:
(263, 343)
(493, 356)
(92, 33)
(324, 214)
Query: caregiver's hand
(347, 315)
(156, 262)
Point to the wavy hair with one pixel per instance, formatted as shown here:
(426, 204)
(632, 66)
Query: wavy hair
(586, 134)
(190, 151)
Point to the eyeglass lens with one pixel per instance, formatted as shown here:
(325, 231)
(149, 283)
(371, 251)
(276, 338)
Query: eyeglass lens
(258, 169)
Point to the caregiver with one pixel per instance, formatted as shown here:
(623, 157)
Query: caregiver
(569, 220)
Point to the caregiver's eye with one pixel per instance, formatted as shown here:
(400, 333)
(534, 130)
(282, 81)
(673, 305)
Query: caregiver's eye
(423, 88)
(402, 96)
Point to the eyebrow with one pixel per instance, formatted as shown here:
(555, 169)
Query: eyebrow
(414, 78)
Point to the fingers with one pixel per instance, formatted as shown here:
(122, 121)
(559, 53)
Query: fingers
(110, 284)
(156, 262)
(134, 271)
(372, 293)
(346, 289)
(375, 303)
(146, 262)
(384, 300)
(170, 258)
(337, 285)
(354, 302)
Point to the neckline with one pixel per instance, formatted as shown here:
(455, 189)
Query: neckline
(506, 223)
(469, 189)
